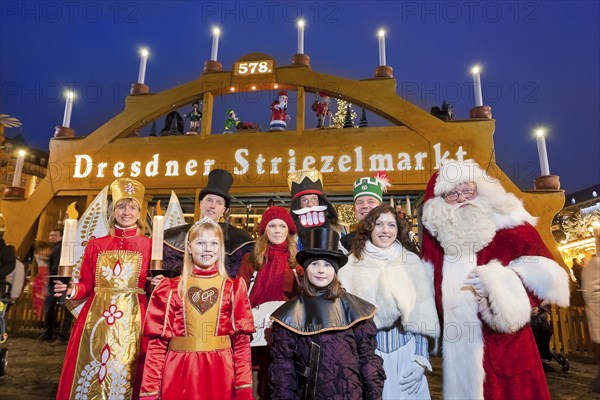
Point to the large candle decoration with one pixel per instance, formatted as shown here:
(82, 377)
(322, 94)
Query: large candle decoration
(18, 169)
(381, 35)
(215, 44)
(67, 253)
(68, 108)
(543, 155)
(477, 86)
(408, 207)
(158, 226)
(301, 36)
(143, 61)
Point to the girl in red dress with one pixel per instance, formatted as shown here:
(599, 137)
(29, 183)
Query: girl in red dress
(199, 325)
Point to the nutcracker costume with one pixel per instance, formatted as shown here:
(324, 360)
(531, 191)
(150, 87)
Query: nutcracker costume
(105, 354)
(490, 268)
(200, 343)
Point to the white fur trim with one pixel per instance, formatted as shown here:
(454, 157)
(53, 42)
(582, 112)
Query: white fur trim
(399, 288)
(544, 277)
(462, 347)
(454, 172)
(507, 308)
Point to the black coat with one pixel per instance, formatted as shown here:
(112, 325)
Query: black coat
(8, 260)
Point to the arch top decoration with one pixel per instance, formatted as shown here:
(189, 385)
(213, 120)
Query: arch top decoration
(410, 150)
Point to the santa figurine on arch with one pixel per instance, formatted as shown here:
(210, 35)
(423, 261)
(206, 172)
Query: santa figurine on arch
(279, 115)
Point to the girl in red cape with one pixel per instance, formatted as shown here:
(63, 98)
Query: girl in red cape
(199, 325)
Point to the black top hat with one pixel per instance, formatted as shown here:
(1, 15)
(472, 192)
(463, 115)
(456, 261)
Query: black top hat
(219, 183)
(322, 243)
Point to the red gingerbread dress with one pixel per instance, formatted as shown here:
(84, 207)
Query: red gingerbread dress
(200, 344)
(106, 346)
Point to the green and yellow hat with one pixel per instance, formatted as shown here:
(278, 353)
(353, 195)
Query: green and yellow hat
(374, 186)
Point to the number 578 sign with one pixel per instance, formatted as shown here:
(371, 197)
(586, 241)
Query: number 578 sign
(246, 68)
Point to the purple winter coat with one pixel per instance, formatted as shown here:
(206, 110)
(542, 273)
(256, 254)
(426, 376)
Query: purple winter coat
(348, 367)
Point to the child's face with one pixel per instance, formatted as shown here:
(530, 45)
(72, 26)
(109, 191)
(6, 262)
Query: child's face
(205, 249)
(320, 273)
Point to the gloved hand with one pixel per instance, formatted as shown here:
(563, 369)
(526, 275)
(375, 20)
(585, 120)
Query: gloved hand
(411, 378)
(475, 281)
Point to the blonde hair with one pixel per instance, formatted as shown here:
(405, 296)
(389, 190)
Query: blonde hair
(124, 201)
(188, 263)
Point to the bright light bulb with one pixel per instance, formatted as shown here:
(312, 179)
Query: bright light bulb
(216, 31)
(475, 69)
(540, 133)
(22, 153)
(381, 33)
(144, 52)
(301, 23)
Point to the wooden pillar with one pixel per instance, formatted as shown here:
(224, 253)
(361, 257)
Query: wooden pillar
(300, 111)
(207, 114)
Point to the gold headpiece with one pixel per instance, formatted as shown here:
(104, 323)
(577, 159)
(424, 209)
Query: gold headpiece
(305, 181)
(127, 188)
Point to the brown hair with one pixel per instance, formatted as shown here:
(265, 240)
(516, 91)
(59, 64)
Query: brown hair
(261, 251)
(366, 226)
(332, 291)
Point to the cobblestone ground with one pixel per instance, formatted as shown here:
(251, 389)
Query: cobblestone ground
(34, 369)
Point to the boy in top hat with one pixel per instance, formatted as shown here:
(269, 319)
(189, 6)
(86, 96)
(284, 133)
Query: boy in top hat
(214, 200)
(368, 194)
(310, 207)
(324, 339)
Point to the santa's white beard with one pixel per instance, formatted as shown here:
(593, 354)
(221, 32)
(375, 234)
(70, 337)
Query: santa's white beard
(458, 227)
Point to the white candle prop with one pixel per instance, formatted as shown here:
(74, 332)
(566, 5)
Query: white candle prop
(67, 253)
(408, 208)
(381, 35)
(158, 228)
(18, 169)
(542, 153)
(301, 36)
(143, 61)
(477, 86)
(68, 109)
(215, 44)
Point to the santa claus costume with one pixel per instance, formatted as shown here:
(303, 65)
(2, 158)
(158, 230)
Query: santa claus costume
(488, 348)
(105, 351)
(279, 115)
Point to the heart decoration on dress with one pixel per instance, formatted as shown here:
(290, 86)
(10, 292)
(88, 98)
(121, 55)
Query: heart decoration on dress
(202, 300)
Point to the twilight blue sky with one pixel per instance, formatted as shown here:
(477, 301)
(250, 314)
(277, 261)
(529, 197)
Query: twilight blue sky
(540, 62)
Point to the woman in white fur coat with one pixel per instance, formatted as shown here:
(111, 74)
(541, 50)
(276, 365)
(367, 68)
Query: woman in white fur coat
(384, 270)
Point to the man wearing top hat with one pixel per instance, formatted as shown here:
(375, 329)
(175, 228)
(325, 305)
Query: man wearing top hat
(368, 194)
(310, 207)
(214, 200)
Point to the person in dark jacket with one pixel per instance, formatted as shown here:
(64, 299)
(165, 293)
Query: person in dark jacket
(8, 260)
(324, 339)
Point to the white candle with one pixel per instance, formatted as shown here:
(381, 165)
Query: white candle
(158, 228)
(477, 86)
(542, 153)
(301, 36)
(408, 208)
(67, 253)
(215, 44)
(68, 108)
(381, 35)
(143, 61)
(18, 169)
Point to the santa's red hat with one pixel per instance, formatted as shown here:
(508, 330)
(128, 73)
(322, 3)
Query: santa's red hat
(276, 212)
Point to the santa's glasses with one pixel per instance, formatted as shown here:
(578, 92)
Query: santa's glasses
(467, 194)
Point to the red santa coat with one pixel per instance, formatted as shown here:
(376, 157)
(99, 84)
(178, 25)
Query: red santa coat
(488, 347)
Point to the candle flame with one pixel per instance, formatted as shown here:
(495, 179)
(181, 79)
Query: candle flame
(72, 211)
(157, 210)
(144, 52)
(216, 31)
(476, 69)
(381, 33)
(21, 153)
(301, 23)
